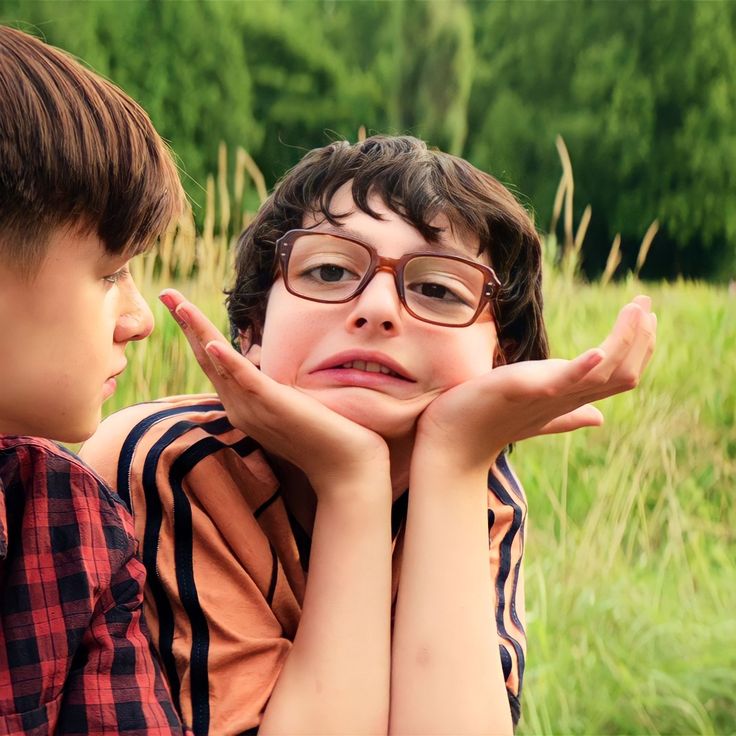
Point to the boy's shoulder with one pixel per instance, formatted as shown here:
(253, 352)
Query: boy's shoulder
(139, 418)
(147, 422)
(38, 474)
(25, 457)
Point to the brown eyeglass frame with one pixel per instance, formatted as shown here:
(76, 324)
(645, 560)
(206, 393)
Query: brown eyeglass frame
(285, 244)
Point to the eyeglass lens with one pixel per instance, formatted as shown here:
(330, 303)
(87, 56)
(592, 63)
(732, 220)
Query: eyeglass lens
(436, 288)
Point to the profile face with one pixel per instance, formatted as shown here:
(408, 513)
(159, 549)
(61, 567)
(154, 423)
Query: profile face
(66, 331)
(368, 358)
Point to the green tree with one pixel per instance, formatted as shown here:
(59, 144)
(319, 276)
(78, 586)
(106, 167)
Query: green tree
(642, 94)
(419, 55)
(195, 85)
(303, 93)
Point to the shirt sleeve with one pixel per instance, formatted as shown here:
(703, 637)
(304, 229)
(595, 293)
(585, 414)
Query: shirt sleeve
(507, 512)
(224, 578)
(74, 652)
(115, 682)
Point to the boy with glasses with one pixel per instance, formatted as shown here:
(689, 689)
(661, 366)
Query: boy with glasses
(328, 549)
(85, 184)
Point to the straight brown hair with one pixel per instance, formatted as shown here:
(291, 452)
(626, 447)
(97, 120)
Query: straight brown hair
(75, 151)
(418, 184)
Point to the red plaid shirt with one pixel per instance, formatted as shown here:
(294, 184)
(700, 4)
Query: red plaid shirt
(74, 650)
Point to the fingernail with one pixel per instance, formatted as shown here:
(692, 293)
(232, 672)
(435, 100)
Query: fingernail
(213, 351)
(597, 357)
(167, 301)
(180, 316)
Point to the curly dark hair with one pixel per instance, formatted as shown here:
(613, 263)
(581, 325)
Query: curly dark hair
(418, 184)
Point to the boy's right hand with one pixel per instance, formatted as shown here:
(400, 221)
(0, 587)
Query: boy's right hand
(331, 450)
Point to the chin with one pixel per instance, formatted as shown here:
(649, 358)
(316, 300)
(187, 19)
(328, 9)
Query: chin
(79, 430)
(391, 422)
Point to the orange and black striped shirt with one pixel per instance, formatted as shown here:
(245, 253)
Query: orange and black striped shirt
(227, 563)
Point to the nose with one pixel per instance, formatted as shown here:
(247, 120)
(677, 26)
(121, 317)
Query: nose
(378, 307)
(135, 319)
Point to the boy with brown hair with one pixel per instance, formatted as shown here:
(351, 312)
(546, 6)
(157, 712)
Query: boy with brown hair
(85, 184)
(328, 551)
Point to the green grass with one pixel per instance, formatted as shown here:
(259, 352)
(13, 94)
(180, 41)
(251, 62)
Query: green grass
(631, 580)
(631, 583)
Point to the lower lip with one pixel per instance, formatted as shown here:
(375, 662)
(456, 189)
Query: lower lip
(108, 388)
(361, 379)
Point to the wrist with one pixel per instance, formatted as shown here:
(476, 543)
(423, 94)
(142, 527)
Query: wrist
(443, 460)
(450, 445)
(364, 486)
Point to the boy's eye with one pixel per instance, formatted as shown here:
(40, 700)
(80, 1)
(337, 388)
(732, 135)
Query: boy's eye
(441, 292)
(435, 291)
(120, 274)
(330, 273)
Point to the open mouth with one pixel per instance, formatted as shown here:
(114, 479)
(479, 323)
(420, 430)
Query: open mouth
(374, 364)
(370, 367)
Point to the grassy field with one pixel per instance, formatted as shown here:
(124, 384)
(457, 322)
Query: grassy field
(631, 572)
(631, 557)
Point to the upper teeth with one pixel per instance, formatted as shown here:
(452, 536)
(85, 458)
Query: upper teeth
(362, 365)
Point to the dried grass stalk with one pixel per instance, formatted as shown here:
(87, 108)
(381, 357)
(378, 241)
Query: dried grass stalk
(557, 207)
(569, 190)
(646, 244)
(255, 174)
(222, 188)
(582, 229)
(614, 258)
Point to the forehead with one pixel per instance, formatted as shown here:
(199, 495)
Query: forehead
(356, 223)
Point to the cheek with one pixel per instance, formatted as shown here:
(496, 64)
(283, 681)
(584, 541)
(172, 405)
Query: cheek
(472, 353)
(289, 334)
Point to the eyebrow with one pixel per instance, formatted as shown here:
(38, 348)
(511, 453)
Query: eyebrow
(439, 247)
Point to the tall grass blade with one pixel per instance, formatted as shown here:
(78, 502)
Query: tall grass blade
(646, 244)
(569, 190)
(582, 229)
(222, 188)
(557, 206)
(613, 261)
(256, 175)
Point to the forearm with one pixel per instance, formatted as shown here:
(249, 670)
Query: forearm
(336, 677)
(446, 669)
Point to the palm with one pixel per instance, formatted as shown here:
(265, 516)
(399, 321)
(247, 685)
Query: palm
(513, 402)
(329, 447)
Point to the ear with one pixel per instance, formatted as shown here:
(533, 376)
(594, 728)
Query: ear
(254, 354)
(248, 348)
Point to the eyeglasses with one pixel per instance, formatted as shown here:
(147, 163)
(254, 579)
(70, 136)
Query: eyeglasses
(443, 290)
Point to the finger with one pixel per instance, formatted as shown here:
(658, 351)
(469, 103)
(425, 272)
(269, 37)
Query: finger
(171, 298)
(583, 416)
(199, 324)
(189, 319)
(232, 365)
(572, 372)
(618, 344)
(628, 373)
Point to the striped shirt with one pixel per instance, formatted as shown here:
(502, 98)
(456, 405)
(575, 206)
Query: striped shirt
(75, 656)
(227, 562)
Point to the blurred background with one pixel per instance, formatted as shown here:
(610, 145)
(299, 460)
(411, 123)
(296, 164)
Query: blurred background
(613, 122)
(642, 92)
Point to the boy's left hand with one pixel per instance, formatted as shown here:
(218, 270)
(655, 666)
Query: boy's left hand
(474, 421)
